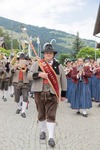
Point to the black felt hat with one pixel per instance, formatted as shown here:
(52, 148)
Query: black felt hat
(48, 48)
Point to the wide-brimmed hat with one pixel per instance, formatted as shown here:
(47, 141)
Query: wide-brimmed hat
(48, 48)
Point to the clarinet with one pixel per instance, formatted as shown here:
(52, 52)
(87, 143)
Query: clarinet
(80, 69)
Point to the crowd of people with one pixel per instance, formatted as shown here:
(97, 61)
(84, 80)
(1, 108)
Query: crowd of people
(83, 83)
(76, 82)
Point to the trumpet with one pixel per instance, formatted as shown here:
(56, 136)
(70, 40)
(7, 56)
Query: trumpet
(22, 68)
(14, 59)
(21, 65)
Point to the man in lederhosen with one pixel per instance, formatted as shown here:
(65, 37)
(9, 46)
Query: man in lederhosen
(5, 75)
(21, 84)
(45, 98)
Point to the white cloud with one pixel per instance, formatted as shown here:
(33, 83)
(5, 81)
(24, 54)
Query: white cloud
(38, 8)
(85, 28)
(48, 13)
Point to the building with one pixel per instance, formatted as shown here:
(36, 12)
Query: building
(96, 32)
(2, 42)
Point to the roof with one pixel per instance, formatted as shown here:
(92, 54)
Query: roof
(1, 42)
(1, 38)
(97, 24)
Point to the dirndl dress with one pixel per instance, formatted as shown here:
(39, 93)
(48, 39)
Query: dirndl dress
(81, 96)
(97, 88)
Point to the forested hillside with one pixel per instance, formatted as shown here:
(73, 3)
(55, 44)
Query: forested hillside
(64, 41)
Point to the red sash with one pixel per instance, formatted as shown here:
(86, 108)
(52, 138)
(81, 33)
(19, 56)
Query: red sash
(52, 78)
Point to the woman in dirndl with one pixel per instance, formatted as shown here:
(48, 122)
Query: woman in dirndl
(80, 95)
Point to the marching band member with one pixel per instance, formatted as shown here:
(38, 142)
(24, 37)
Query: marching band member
(11, 87)
(5, 75)
(80, 96)
(45, 97)
(92, 79)
(67, 69)
(21, 84)
(96, 72)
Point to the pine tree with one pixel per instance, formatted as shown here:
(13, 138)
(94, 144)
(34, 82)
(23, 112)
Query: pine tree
(78, 44)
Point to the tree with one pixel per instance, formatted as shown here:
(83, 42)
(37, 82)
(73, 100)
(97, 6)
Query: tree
(62, 57)
(87, 52)
(4, 51)
(77, 45)
(7, 40)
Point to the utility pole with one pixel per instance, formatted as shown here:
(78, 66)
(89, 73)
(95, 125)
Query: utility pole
(11, 37)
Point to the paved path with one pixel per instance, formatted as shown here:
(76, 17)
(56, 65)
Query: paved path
(73, 132)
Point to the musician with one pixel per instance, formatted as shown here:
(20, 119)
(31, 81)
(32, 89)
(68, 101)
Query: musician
(80, 96)
(11, 88)
(96, 72)
(67, 69)
(5, 75)
(92, 79)
(45, 97)
(21, 84)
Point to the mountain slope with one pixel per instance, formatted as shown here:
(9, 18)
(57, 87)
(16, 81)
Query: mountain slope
(64, 41)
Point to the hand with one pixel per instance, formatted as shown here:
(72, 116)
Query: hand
(43, 75)
(83, 73)
(16, 66)
(78, 76)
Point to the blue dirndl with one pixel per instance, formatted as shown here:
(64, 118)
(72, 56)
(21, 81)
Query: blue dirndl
(97, 88)
(92, 85)
(81, 96)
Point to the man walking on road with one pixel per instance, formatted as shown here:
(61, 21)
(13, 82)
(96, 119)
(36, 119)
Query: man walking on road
(45, 97)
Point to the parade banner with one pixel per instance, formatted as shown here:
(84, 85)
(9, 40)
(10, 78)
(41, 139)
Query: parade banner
(45, 67)
(51, 76)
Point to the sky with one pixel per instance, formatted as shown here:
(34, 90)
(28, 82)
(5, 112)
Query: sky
(71, 16)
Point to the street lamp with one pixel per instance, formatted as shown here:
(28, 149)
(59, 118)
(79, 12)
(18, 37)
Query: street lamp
(39, 46)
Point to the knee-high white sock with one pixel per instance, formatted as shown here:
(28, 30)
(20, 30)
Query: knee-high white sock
(51, 127)
(12, 89)
(84, 111)
(21, 98)
(5, 94)
(24, 107)
(19, 105)
(42, 126)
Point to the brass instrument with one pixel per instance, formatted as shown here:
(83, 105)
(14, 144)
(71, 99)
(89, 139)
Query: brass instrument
(22, 68)
(67, 70)
(1, 56)
(22, 65)
(14, 59)
(2, 69)
(80, 68)
(3, 76)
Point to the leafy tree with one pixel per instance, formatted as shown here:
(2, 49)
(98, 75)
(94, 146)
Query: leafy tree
(15, 44)
(4, 51)
(77, 45)
(87, 52)
(7, 40)
(62, 57)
